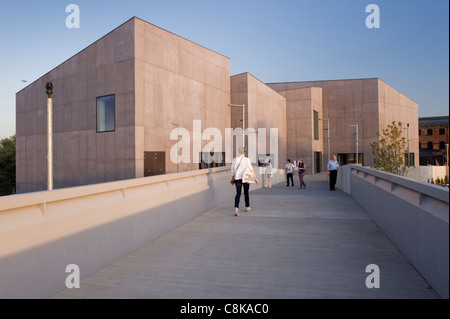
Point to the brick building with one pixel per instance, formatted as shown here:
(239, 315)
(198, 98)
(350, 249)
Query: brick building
(433, 137)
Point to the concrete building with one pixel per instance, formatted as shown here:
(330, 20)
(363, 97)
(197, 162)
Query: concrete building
(370, 104)
(116, 103)
(264, 110)
(433, 138)
(138, 101)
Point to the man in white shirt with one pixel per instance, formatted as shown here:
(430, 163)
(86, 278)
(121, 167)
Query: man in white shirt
(238, 167)
(289, 172)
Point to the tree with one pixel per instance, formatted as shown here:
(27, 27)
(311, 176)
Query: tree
(8, 164)
(389, 151)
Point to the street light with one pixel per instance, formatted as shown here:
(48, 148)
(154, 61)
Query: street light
(408, 157)
(328, 136)
(49, 92)
(243, 120)
(356, 125)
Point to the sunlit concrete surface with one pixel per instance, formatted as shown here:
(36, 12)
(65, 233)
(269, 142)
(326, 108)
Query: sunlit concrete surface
(294, 244)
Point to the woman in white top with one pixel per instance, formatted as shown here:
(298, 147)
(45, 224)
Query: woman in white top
(238, 167)
(268, 174)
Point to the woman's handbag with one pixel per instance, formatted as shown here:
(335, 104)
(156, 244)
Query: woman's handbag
(248, 177)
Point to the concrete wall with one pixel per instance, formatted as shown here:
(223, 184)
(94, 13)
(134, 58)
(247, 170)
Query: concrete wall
(300, 107)
(369, 103)
(426, 173)
(395, 106)
(414, 215)
(177, 81)
(81, 156)
(264, 109)
(92, 226)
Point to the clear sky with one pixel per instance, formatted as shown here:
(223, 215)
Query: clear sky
(276, 41)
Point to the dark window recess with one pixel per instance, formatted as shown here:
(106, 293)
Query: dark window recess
(106, 117)
(429, 132)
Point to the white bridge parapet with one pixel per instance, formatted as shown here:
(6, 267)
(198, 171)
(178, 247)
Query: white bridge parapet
(413, 214)
(92, 226)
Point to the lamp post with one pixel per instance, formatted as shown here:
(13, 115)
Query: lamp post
(356, 159)
(328, 135)
(243, 120)
(178, 149)
(408, 156)
(49, 91)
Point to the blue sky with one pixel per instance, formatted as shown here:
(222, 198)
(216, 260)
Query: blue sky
(276, 41)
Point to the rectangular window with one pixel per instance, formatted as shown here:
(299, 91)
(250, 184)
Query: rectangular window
(429, 132)
(212, 159)
(411, 160)
(420, 132)
(106, 117)
(316, 125)
(442, 145)
(442, 131)
(430, 145)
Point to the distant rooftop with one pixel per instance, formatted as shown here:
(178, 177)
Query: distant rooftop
(435, 120)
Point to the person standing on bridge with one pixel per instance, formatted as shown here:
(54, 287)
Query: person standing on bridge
(238, 167)
(268, 174)
(289, 172)
(332, 168)
(301, 172)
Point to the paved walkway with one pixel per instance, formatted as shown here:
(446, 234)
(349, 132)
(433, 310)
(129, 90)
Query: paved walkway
(294, 244)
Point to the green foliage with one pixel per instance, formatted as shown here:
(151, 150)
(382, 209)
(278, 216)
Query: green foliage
(432, 180)
(389, 150)
(8, 164)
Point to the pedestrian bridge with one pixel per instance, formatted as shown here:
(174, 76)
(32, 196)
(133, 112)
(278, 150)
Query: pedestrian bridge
(175, 236)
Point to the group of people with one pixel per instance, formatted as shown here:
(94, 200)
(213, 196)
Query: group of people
(241, 163)
(289, 168)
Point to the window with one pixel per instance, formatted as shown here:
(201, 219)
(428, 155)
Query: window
(316, 125)
(411, 160)
(429, 131)
(420, 132)
(212, 159)
(442, 131)
(430, 145)
(106, 118)
(420, 144)
(442, 145)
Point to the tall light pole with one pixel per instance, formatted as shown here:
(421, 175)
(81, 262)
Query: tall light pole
(178, 149)
(243, 120)
(328, 136)
(356, 125)
(408, 157)
(49, 91)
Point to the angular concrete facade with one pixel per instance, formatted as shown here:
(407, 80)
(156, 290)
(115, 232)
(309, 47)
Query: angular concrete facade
(369, 103)
(264, 109)
(157, 78)
(163, 83)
